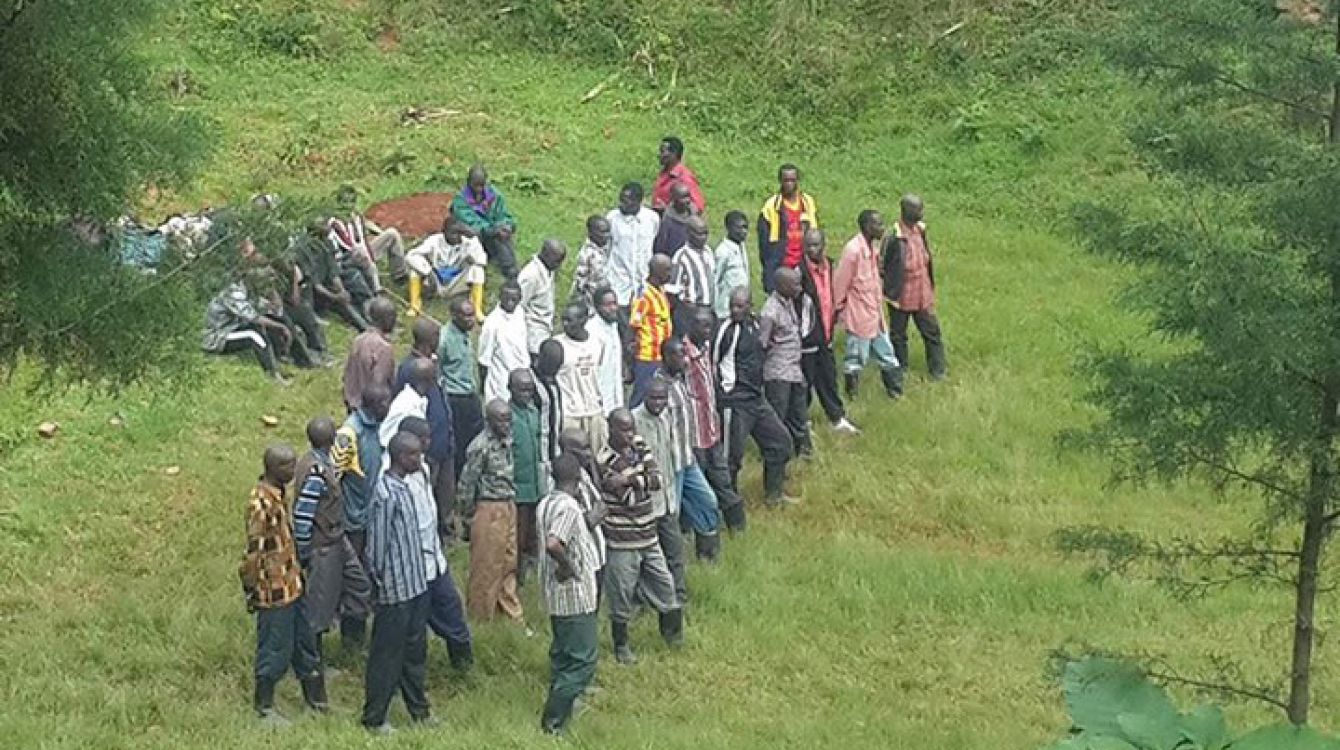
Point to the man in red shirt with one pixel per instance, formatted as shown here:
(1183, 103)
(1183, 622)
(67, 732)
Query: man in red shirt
(909, 287)
(816, 346)
(674, 170)
(782, 223)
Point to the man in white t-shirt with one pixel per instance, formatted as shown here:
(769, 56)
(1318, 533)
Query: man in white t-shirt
(503, 342)
(578, 378)
(604, 327)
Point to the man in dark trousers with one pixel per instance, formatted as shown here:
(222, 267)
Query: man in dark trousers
(457, 376)
(909, 287)
(441, 452)
(744, 410)
(399, 652)
(817, 361)
(782, 223)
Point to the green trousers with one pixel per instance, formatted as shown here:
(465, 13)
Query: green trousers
(572, 663)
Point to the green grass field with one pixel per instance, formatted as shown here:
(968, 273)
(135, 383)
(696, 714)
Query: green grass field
(911, 601)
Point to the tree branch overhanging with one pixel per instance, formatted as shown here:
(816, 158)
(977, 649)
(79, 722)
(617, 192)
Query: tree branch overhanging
(1242, 476)
(1224, 79)
(1259, 694)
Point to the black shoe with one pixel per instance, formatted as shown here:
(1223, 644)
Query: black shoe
(734, 516)
(622, 653)
(263, 701)
(893, 383)
(853, 382)
(708, 547)
(314, 692)
(462, 657)
(672, 627)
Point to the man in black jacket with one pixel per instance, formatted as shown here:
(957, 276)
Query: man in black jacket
(744, 410)
(816, 347)
(909, 287)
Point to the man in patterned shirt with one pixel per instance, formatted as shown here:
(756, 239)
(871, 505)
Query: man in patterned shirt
(649, 323)
(635, 570)
(592, 271)
(569, 592)
(700, 376)
(487, 493)
(909, 287)
(272, 583)
(694, 283)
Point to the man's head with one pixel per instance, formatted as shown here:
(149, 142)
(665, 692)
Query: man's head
(740, 304)
(318, 226)
(419, 428)
(630, 199)
(701, 325)
(498, 416)
(521, 384)
(453, 231)
(406, 453)
(737, 227)
(321, 433)
(423, 376)
(658, 396)
(567, 472)
(425, 337)
(598, 230)
(463, 312)
(574, 320)
(574, 441)
(660, 269)
(670, 152)
(477, 179)
(549, 360)
(376, 401)
(381, 311)
(788, 180)
(814, 243)
(787, 282)
(871, 223)
(552, 253)
(681, 199)
(696, 231)
(509, 296)
(911, 208)
(607, 304)
(673, 357)
(346, 197)
(622, 429)
(279, 463)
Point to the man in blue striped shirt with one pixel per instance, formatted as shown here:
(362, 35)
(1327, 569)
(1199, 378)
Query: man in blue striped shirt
(399, 651)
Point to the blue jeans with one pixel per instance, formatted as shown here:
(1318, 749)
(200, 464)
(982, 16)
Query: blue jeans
(858, 352)
(697, 502)
(643, 372)
(446, 618)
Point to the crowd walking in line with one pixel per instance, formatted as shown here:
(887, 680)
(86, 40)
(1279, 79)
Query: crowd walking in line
(588, 447)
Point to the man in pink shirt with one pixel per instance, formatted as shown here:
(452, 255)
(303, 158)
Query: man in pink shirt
(674, 170)
(858, 291)
(909, 286)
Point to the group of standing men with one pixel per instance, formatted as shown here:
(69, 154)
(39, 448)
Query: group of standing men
(588, 454)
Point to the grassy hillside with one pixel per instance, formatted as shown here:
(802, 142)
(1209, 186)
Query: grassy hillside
(911, 601)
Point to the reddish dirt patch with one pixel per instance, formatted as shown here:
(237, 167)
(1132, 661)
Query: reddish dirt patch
(388, 40)
(416, 215)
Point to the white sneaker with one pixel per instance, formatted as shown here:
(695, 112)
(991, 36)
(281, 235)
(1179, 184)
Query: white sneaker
(842, 425)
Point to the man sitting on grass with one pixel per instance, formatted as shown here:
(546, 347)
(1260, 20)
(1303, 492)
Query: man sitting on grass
(448, 263)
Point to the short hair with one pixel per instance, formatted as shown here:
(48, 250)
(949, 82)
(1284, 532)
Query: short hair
(457, 303)
(788, 167)
(733, 216)
(566, 468)
(674, 145)
(592, 219)
(601, 292)
(402, 443)
(577, 303)
(416, 426)
(865, 217)
(511, 283)
(672, 344)
(634, 189)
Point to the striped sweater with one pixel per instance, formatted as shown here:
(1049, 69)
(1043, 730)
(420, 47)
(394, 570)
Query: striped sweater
(631, 523)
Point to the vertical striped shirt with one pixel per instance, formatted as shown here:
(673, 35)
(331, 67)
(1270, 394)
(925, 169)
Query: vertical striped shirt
(683, 419)
(695, 277)
(701, 380)
(393, 548)
(649, 317)
(560, 516)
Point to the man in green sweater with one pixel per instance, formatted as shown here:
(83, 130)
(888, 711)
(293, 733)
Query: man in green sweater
(484, 210)
(529, 466)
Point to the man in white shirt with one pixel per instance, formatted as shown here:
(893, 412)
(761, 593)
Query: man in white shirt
(604, 327)
(503, 342)
(578, 380)
(537, 293)
(732, 262)
(447, 263)
(694, 283)
(412, 401)
(633, 229)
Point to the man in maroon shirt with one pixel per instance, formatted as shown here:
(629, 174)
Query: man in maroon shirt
(909, 287)
(674, 170)
(817, 361)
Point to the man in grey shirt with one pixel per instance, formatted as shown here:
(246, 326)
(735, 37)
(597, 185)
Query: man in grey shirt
(786, 317)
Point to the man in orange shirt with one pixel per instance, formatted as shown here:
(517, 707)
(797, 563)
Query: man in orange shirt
(649, 322)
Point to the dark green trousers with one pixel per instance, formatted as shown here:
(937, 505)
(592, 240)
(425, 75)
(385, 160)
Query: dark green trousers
(572, 664)
(283, 640)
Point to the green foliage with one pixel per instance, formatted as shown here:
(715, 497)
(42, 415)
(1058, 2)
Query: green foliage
(1114, 706)
(84, 124)
(287, 28)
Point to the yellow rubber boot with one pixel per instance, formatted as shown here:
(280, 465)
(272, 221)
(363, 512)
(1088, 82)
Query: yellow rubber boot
(477, 299)
(415, 295)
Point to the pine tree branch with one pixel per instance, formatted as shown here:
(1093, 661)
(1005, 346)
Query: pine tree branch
(1244, 477)
(1219, 687)
(1227, 80)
